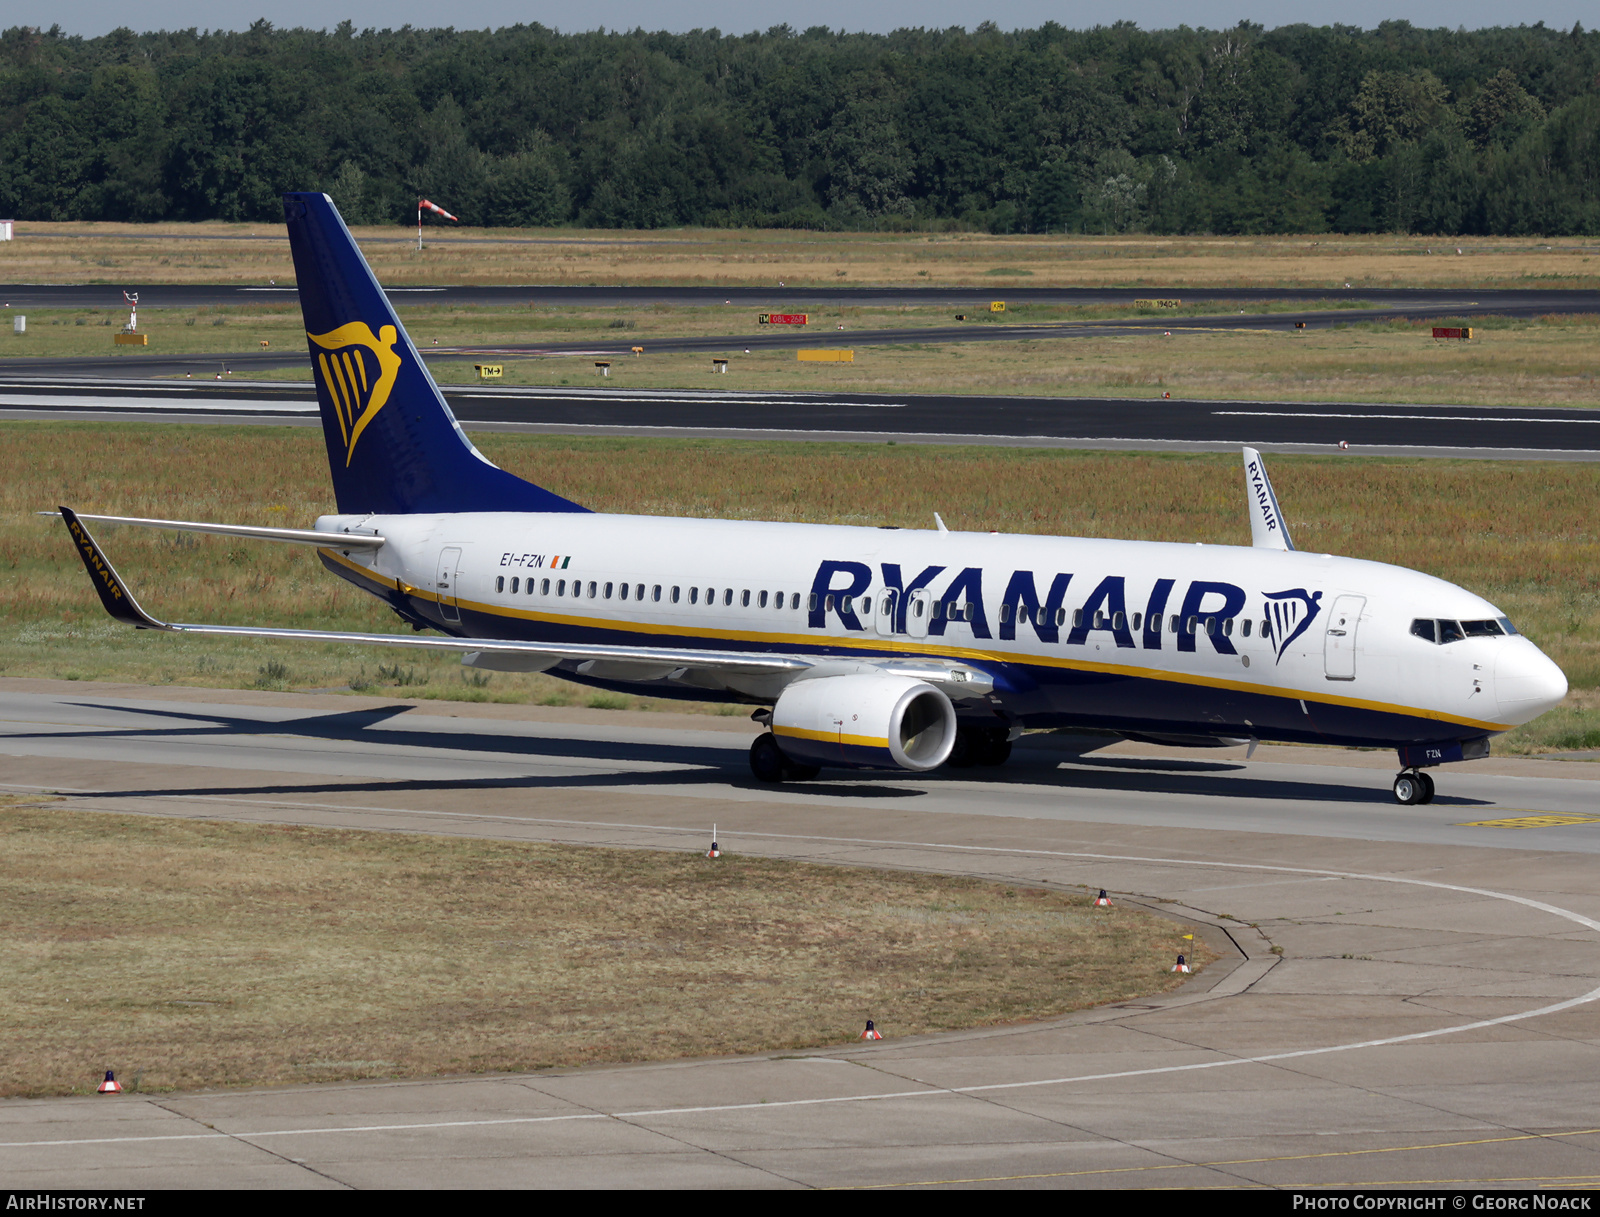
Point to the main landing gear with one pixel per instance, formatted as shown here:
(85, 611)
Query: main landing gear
(769, 764)
(1413, 786)
(979, 746)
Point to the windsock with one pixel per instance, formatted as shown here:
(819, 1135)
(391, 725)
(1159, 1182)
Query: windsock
(424, 205)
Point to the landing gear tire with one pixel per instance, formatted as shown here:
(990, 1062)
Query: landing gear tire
(767, 761)
(996, 748)
(1427, 787)
(1411, 788)
(979, 746)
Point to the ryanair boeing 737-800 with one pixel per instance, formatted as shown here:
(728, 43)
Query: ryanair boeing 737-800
(863, 647)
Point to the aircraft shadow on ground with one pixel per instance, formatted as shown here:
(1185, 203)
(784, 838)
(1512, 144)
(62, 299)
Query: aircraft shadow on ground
(713, 765)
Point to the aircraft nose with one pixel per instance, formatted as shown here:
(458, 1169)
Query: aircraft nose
(1526, 682)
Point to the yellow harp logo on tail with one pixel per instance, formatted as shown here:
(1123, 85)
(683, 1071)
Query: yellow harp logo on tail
(357, 369)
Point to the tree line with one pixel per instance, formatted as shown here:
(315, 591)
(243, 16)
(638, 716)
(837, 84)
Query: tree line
(1114, 129)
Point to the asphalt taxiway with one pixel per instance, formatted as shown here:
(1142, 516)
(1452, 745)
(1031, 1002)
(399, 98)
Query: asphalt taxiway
(1406, 996)
(1372, 429)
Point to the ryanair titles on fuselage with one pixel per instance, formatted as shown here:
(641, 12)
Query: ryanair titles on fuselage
(1038, 604)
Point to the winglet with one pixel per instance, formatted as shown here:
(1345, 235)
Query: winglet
(114, 594)
(1268, 529)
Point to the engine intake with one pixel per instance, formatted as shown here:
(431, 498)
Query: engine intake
(865, 720)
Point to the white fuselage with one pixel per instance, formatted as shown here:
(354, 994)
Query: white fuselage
(1208, 640)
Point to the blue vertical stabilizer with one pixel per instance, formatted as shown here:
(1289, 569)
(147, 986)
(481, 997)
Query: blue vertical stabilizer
(393, 445)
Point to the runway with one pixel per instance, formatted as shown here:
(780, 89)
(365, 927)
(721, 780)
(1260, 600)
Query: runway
(1406, 996)
(1114, 423)
(775, 297)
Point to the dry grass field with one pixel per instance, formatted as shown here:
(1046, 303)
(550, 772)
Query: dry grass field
(1534, 362)
(1523, 534)
(185, 953)
(126, 255)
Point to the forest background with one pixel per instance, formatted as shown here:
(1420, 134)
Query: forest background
(1296, 129)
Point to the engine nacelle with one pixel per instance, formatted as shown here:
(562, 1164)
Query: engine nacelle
(865, 720)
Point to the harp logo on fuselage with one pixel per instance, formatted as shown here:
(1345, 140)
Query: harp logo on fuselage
(357, 369)
(1290, 613)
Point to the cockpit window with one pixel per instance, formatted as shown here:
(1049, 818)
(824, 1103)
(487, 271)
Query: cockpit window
(1442, 631)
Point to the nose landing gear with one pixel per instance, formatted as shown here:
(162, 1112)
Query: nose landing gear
(1413, 786)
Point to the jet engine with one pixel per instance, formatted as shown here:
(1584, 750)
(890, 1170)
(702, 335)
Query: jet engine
(866, 720)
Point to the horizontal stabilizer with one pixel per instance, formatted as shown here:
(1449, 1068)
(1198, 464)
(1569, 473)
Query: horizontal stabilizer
(289, 536)
(1268, 530)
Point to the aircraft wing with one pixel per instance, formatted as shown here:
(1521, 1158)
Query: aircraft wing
(119, 601)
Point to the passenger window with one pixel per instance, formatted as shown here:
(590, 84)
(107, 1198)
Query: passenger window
(694, 595)
(761, 601)
(1041, 617)
(1450, 631)
(608, 591)
(744, 598)
(674, 595)
(1061, 616)
(561, 587)
(811, 605)
(1266, 628)
(1155, 623)
(1227, 627)
(622, 591)
(1136, 619)
(1118, 621)
(500, 583)
(638, 592)
(1173, 623)
(1077, 619)
(1244, 626)
(1190, 627)
(1423, 628)
(1005, 613)
(711, 595)
(591, 589)
(727, 598)
(1099, 620)
(827, 604)
(544, 587)
(972, 608)
(655, 593)
(916, 609)
(1211, 626)
(515, 584)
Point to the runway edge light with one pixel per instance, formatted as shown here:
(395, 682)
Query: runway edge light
(1102, 901)
(1181, 966)
(110, 1085)
(871, 1033)
(714, 851)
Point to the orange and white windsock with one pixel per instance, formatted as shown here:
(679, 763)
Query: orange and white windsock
(424, 205)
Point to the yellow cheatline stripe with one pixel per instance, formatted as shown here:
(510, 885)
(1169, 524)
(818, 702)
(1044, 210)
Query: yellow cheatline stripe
(1178, 1166)
(922, 648)
(832, 737)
